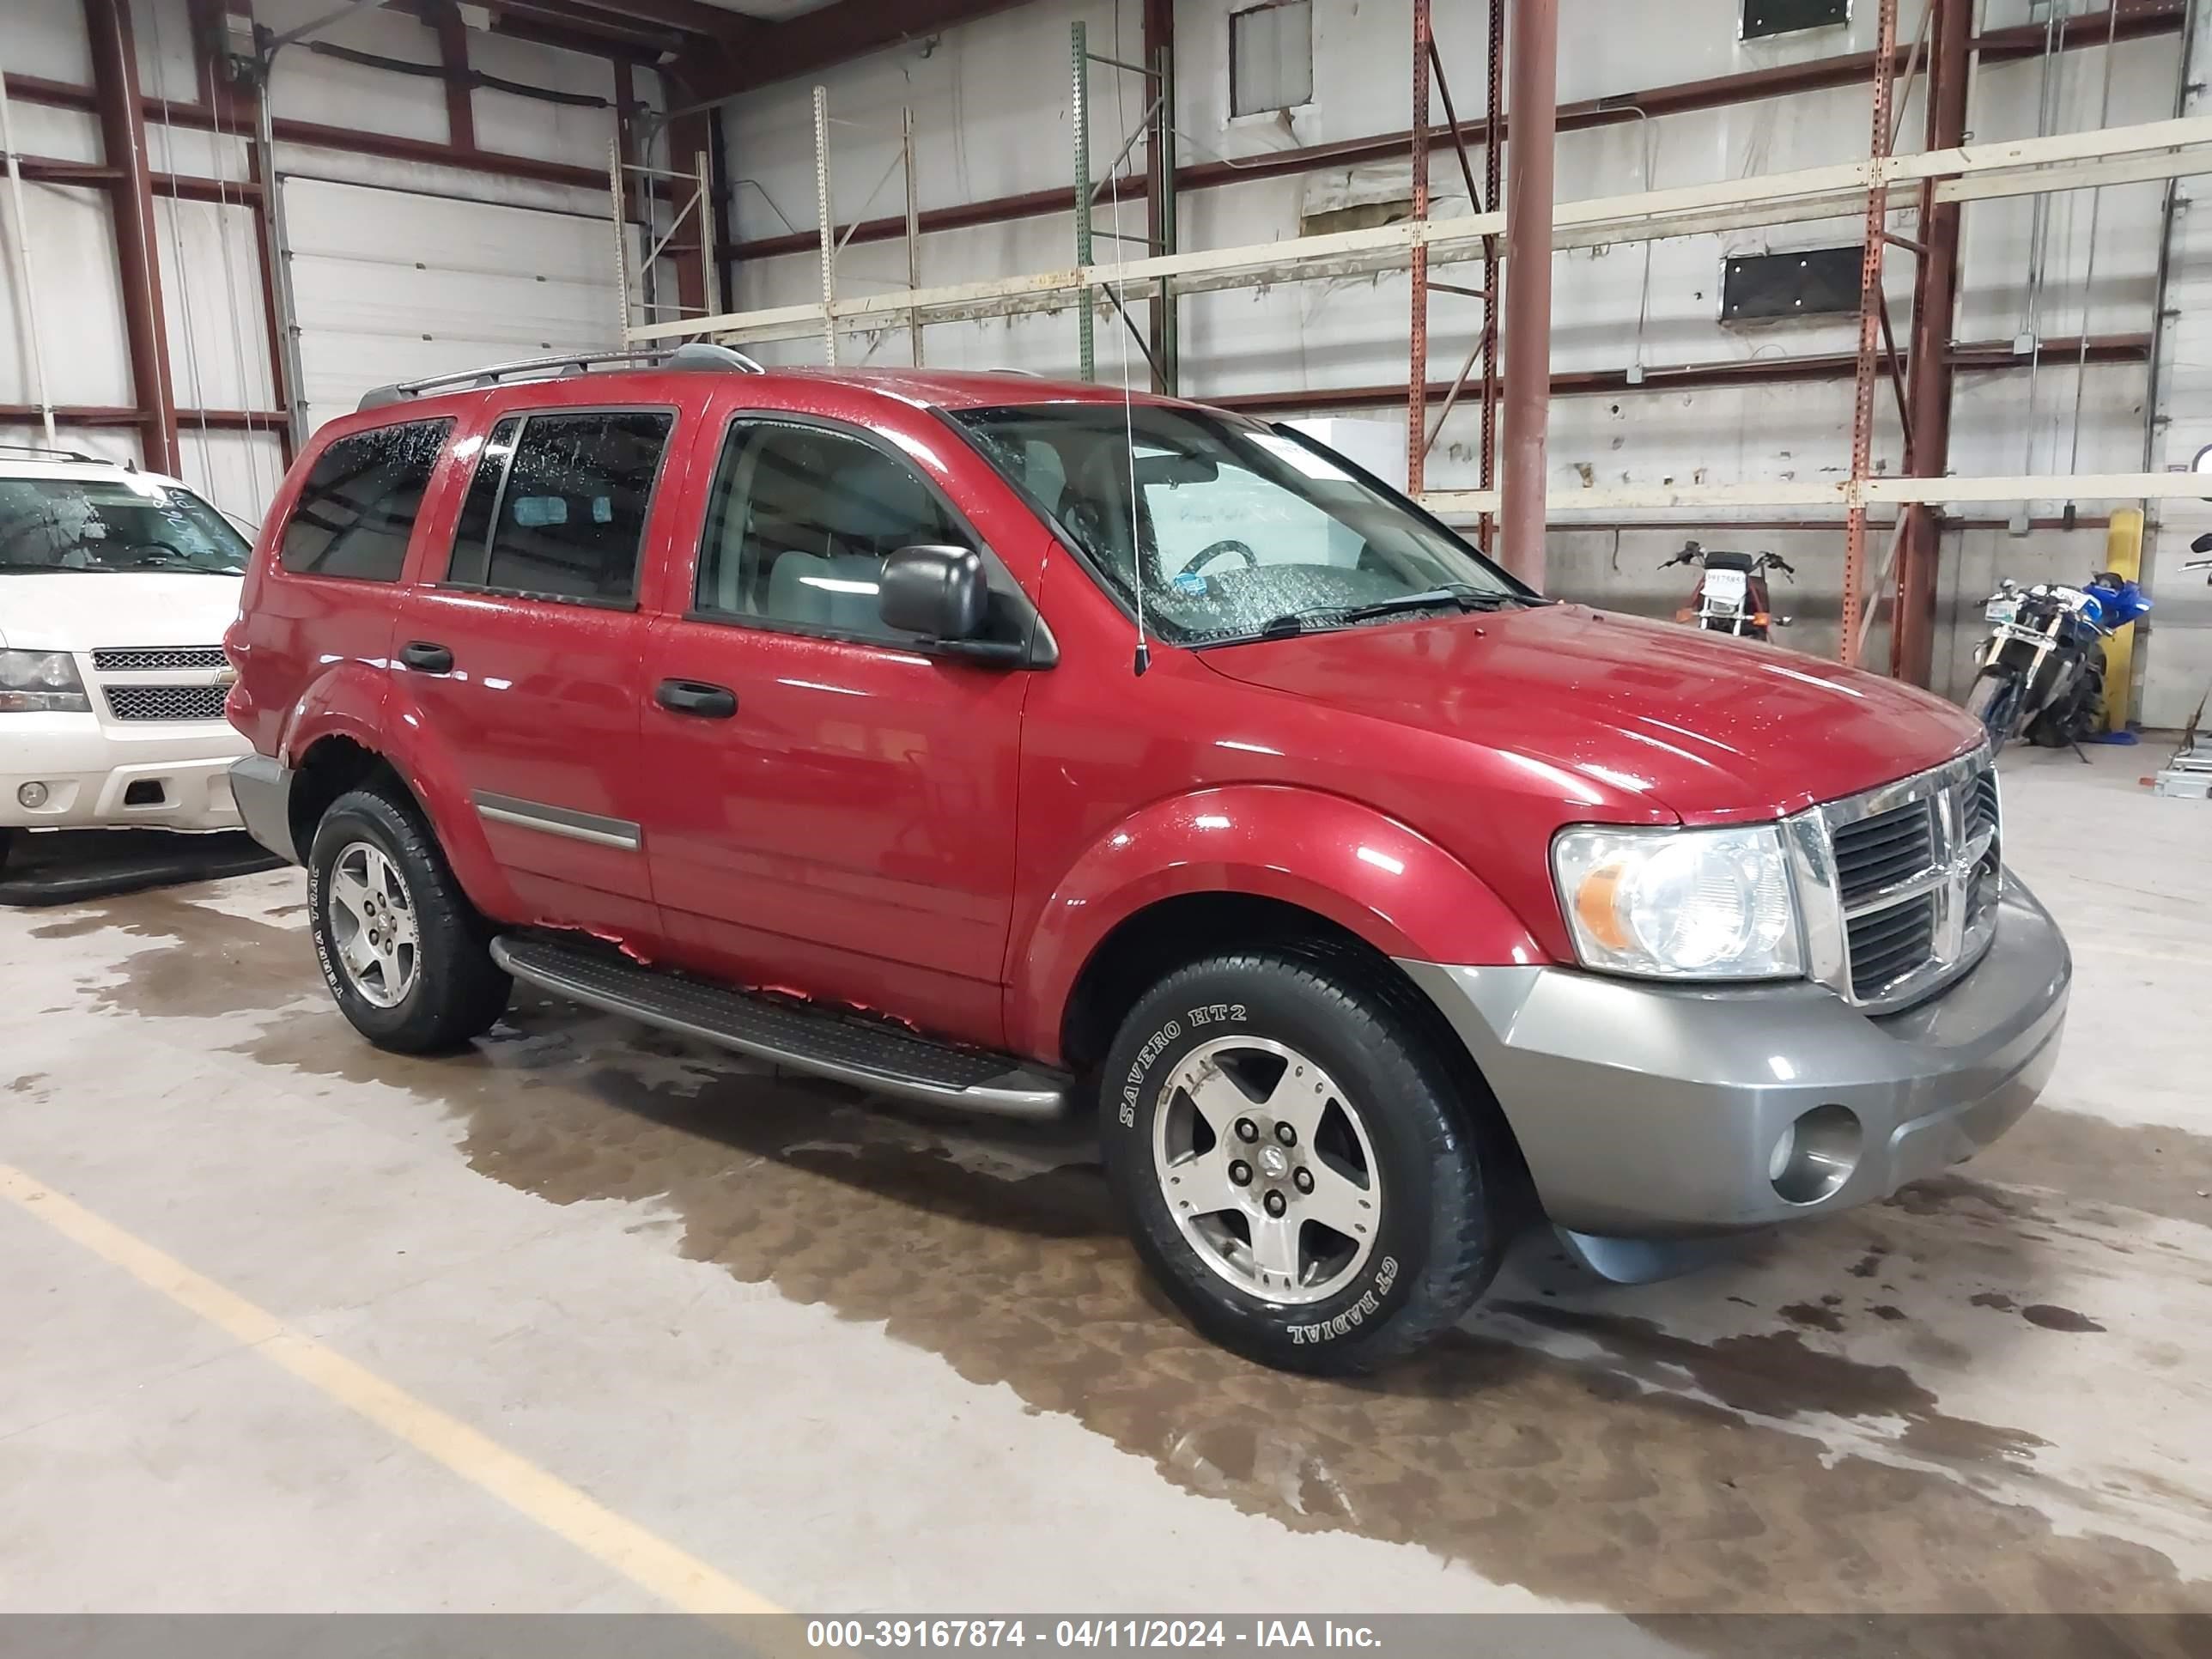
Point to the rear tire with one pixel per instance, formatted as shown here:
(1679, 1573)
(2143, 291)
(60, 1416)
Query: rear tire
(1345, 1205)
(404, 953)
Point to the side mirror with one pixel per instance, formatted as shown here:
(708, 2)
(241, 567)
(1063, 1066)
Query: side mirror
(938, 592)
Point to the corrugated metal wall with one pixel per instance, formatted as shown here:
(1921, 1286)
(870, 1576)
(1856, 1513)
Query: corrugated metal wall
(401, 268)
(991, 106)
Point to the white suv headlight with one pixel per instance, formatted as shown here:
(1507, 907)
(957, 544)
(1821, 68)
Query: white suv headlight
(1680, 903)
(41, 682)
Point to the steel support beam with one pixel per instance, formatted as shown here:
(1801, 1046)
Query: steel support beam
(1532, 46)
(453, 56)
(1928, 373)
(1981, 355)
(1872, 309)
(1159, 190)
(123, 139)
(1079, 120)
(1417, 367)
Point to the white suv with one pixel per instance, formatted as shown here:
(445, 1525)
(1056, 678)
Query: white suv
(115, 588)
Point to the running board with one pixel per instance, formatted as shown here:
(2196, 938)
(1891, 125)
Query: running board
(869, 1053)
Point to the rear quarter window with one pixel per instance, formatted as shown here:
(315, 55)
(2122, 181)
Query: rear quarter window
(358, 506)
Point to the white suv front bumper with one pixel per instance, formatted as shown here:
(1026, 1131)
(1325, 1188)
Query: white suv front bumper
(89, 766)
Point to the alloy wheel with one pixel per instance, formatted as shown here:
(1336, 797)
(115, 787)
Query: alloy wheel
(1268, 1170)
(372, 921)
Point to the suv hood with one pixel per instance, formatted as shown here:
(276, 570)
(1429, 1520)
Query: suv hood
(1715, 729)
(80, 610)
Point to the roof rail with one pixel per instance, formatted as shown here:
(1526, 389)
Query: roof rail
(60, 454)
(691, 355)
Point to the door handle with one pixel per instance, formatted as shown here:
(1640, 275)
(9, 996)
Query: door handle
(713, 702)
(427, 655)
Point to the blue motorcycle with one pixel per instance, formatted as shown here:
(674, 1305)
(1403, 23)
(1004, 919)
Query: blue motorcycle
(2043, 666)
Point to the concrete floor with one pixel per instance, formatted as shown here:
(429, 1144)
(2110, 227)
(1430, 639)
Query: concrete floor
(853, 1359)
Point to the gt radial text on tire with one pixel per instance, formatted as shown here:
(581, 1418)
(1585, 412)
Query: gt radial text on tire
(1297, 1166)
(404, 953)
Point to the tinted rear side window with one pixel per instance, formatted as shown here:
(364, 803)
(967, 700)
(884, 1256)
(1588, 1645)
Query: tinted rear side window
(358, 506)
(558, 505)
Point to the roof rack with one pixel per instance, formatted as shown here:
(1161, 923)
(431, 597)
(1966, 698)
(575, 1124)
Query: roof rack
(692, 355)
(60, 454)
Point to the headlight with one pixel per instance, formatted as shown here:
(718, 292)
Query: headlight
(1680, 903)
(41, 682)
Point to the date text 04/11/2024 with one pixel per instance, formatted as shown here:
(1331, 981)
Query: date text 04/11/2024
(860, 1633)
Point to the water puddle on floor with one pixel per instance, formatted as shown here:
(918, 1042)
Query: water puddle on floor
(1562, 1441)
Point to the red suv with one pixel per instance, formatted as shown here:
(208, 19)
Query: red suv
(1028, 748)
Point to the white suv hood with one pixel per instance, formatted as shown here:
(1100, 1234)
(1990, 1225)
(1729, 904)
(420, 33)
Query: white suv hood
(82, 610)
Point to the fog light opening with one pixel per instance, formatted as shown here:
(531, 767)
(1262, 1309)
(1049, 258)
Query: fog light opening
(1815, 1155)
(31, 796)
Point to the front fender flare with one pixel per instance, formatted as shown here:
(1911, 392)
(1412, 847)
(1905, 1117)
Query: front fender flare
(1366, 872)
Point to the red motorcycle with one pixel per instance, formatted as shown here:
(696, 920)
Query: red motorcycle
(1731, 596)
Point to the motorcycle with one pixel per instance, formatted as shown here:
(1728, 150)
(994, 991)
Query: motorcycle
(1731, 595)
(2042, 668)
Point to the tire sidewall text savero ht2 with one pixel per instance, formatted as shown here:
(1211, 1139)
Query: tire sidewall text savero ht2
(1420, 1158)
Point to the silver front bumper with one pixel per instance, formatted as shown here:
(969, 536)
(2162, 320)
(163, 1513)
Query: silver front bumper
(1650, 1112)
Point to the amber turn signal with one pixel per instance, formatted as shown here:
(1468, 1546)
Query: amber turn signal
(1594, 907)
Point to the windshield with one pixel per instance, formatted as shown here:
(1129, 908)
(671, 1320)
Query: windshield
(1245, 531)
(124, 523)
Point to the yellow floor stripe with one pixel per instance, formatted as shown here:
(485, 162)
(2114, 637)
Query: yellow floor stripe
(652, 1563)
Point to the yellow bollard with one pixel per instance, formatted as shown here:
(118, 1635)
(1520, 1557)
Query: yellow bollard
(2123, 554)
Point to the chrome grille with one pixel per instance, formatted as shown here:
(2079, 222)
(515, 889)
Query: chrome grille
(1982, 805)
(164, 702)
(152, 659)
(1900, 884)
(1886, 848)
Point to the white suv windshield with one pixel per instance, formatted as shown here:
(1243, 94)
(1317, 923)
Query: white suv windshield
(125, 523)
(1244, 532)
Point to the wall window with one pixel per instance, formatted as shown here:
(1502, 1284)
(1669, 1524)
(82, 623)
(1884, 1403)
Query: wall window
(801, 521)
(557, 507)
(1813, 282)
(357, 508)
(1764, 17)
(1271, 57)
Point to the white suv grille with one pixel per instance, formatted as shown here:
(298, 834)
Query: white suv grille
(152, 659)
(164, 702)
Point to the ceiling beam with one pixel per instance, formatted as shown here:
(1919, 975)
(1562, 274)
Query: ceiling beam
(592, 32)
(693, 17)
(814, 40)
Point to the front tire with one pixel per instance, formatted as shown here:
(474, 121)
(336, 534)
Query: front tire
(1994, 700)
(1298, 1166)
(404, 952)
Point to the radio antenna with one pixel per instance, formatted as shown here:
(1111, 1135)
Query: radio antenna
(1117, 289)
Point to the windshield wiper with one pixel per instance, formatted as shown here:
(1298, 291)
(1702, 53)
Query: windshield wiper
(1464, 595)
